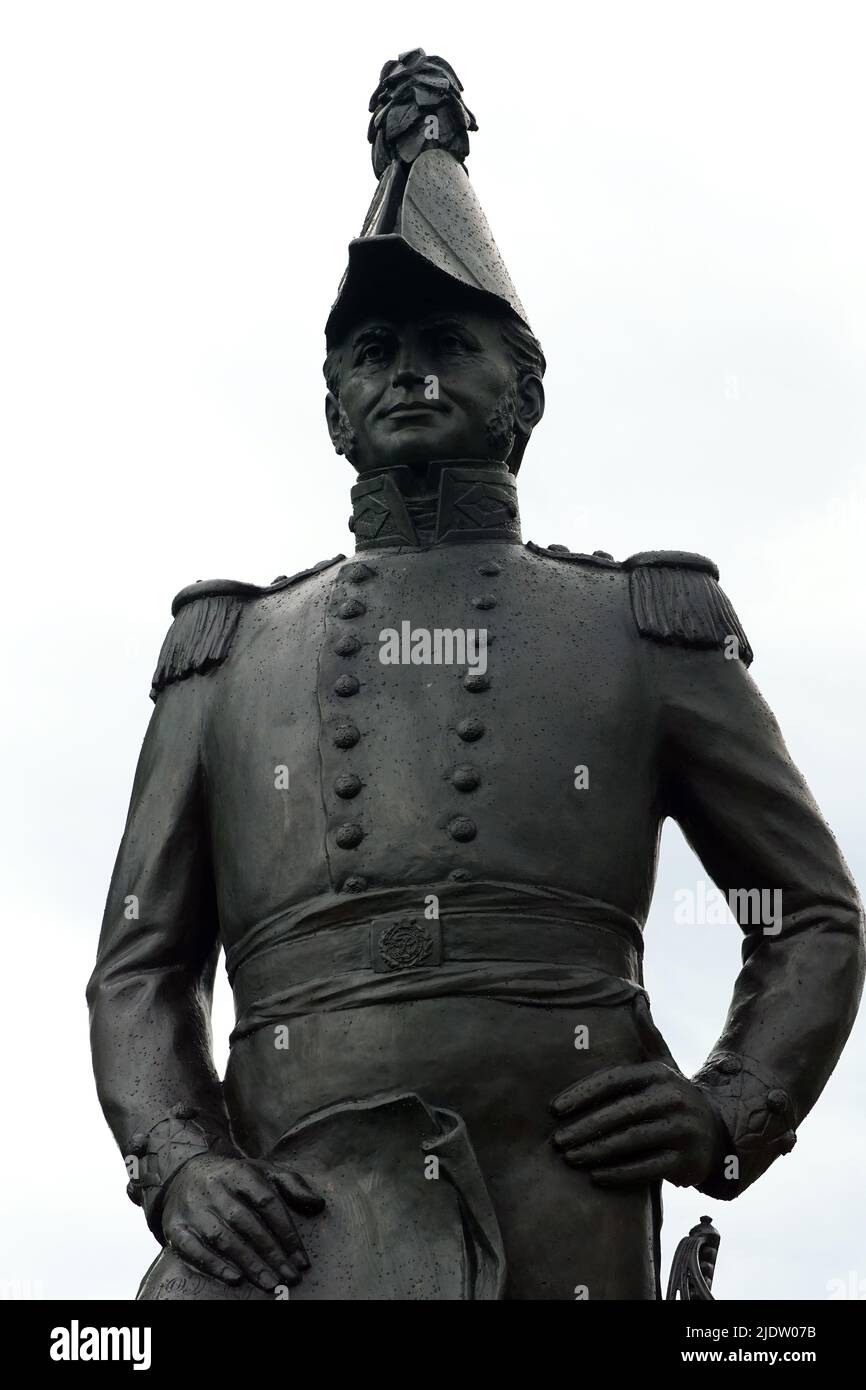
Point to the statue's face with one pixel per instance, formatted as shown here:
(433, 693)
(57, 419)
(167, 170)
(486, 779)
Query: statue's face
(438, 387)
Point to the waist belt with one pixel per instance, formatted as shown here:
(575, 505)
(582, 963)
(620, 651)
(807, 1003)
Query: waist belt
(401, 944)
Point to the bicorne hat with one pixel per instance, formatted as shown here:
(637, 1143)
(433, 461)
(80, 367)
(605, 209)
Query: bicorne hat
(425, 234)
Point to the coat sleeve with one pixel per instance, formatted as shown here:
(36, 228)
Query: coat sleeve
(150, 992)
(748, 814)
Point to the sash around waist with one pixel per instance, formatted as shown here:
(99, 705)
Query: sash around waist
(515, 956)
(505, 900)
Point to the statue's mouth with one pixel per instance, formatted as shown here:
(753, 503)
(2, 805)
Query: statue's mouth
(409, 410)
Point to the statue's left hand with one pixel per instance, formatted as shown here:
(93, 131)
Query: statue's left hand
(639, 1123)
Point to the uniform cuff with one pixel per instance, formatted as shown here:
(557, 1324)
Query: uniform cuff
(153, 1158)
(757, 1117)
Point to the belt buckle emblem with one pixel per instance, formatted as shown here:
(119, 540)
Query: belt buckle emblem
(404, 943)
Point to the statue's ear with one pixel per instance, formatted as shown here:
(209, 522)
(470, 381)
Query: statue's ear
(332, 415)
(530, 403)
(529, 409)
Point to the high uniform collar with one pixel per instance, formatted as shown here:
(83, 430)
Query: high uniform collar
(456, 501)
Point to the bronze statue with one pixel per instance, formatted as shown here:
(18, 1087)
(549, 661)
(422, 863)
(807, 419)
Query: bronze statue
(416, 795)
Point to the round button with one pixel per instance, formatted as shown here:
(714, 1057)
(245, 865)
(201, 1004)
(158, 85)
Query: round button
(349, 835)
(351, 608)
(484, 601)
(470, 730)
(357, 574)
(355, 883)
(489, 568)
(462, 828)
(559, 549)
(346, 735)
(460, 875)
(347, 685)
(348, 645)
(777, 1102)
(466, 778)
(475, 682)
(347, 785)
(730, 1066)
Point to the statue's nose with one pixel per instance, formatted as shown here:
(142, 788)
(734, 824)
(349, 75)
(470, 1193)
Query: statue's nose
(406, 372)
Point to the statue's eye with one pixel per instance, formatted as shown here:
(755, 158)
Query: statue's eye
(373, 352)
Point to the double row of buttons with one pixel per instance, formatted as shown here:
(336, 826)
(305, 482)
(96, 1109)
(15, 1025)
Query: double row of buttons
(465, 777)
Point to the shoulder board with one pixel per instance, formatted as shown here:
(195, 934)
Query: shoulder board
(599, 558)
(206, 615)
(675, 598)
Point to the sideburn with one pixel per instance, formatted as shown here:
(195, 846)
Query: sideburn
(500, 427)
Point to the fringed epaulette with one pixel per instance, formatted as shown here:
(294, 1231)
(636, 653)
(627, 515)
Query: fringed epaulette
(206, 616)
(675, 598)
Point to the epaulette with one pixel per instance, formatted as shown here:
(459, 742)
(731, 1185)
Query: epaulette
(206, 615)
(676, 598)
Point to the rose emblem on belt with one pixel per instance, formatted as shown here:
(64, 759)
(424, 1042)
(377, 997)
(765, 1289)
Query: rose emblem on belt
(405, 943)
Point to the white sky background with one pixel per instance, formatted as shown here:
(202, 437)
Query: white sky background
(678, 192)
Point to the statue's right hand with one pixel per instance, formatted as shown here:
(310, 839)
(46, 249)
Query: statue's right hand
(231, 1218)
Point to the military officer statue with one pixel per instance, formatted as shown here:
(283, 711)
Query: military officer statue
(360, 783)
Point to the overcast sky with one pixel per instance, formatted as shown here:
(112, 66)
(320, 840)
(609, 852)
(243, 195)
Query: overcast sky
(678, 192)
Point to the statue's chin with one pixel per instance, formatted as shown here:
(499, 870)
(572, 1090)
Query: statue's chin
(420, 463)
(414, 453)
